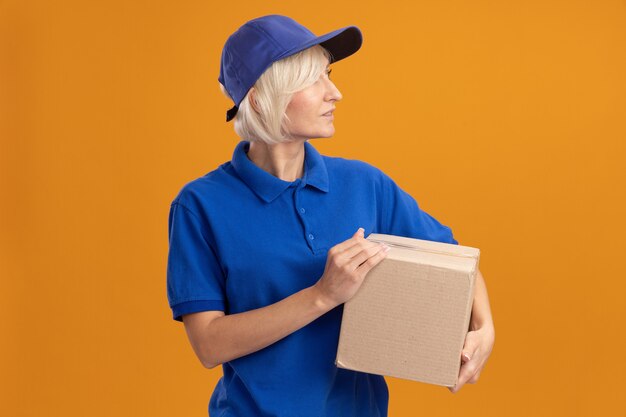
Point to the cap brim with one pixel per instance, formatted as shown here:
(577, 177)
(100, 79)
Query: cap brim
(341, 43)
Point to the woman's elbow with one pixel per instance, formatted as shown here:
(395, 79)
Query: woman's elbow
(209, 363)
(203, 338)
(207, 358)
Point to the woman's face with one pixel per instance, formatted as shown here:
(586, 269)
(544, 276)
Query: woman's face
(310, 112)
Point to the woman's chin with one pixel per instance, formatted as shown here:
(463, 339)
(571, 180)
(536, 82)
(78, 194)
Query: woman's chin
(329, 133)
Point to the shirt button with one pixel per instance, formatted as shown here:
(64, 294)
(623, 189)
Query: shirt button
(311, 236)
(302, 210)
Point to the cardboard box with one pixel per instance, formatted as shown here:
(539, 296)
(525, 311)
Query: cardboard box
(410, 317)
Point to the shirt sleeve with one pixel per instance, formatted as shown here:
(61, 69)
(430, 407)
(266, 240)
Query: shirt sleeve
(195, 281)
(403, 217)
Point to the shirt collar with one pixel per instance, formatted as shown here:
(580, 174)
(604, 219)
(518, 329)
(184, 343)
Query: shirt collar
(267, 186)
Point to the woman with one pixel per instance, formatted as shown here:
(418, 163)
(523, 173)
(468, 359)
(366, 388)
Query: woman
(265, 249)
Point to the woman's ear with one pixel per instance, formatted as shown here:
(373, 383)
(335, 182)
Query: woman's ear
(252, 100)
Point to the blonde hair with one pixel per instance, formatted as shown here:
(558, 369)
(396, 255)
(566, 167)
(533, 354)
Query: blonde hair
(273, 91)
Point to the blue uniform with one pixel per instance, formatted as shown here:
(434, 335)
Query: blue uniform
(242, 239)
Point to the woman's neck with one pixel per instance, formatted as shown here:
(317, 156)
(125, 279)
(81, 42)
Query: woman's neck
(283, 160)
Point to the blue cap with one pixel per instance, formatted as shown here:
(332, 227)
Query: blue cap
(260, 42)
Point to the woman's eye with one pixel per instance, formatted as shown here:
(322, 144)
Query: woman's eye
(328, 71)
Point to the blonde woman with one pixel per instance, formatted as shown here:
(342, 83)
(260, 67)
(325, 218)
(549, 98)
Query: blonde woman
(265, 249)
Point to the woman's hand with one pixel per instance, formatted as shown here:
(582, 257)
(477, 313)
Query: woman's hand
(346, 267)
(479, 340)
(476, 351)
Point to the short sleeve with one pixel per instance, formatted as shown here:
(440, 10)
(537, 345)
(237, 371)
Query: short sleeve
(403, 217)
(195, 281)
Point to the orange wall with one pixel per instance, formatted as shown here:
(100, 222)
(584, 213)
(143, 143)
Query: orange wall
(505, 120)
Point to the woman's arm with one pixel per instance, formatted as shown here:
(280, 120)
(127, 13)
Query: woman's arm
(479, 340)
(217, 338)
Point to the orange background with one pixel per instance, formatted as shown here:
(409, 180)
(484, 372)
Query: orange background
(505, 120)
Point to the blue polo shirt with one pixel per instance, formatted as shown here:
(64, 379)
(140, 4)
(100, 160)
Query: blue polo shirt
(242, 239)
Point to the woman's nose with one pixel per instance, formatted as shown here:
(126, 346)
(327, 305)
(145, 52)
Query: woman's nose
(333, 93)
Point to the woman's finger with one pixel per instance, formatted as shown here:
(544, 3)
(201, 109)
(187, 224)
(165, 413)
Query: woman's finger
(470, 370)
(355, 250)
(464, 375)
(367, 252)
(372, 261)
(470, 346)
(474, 379)
(469, 362)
